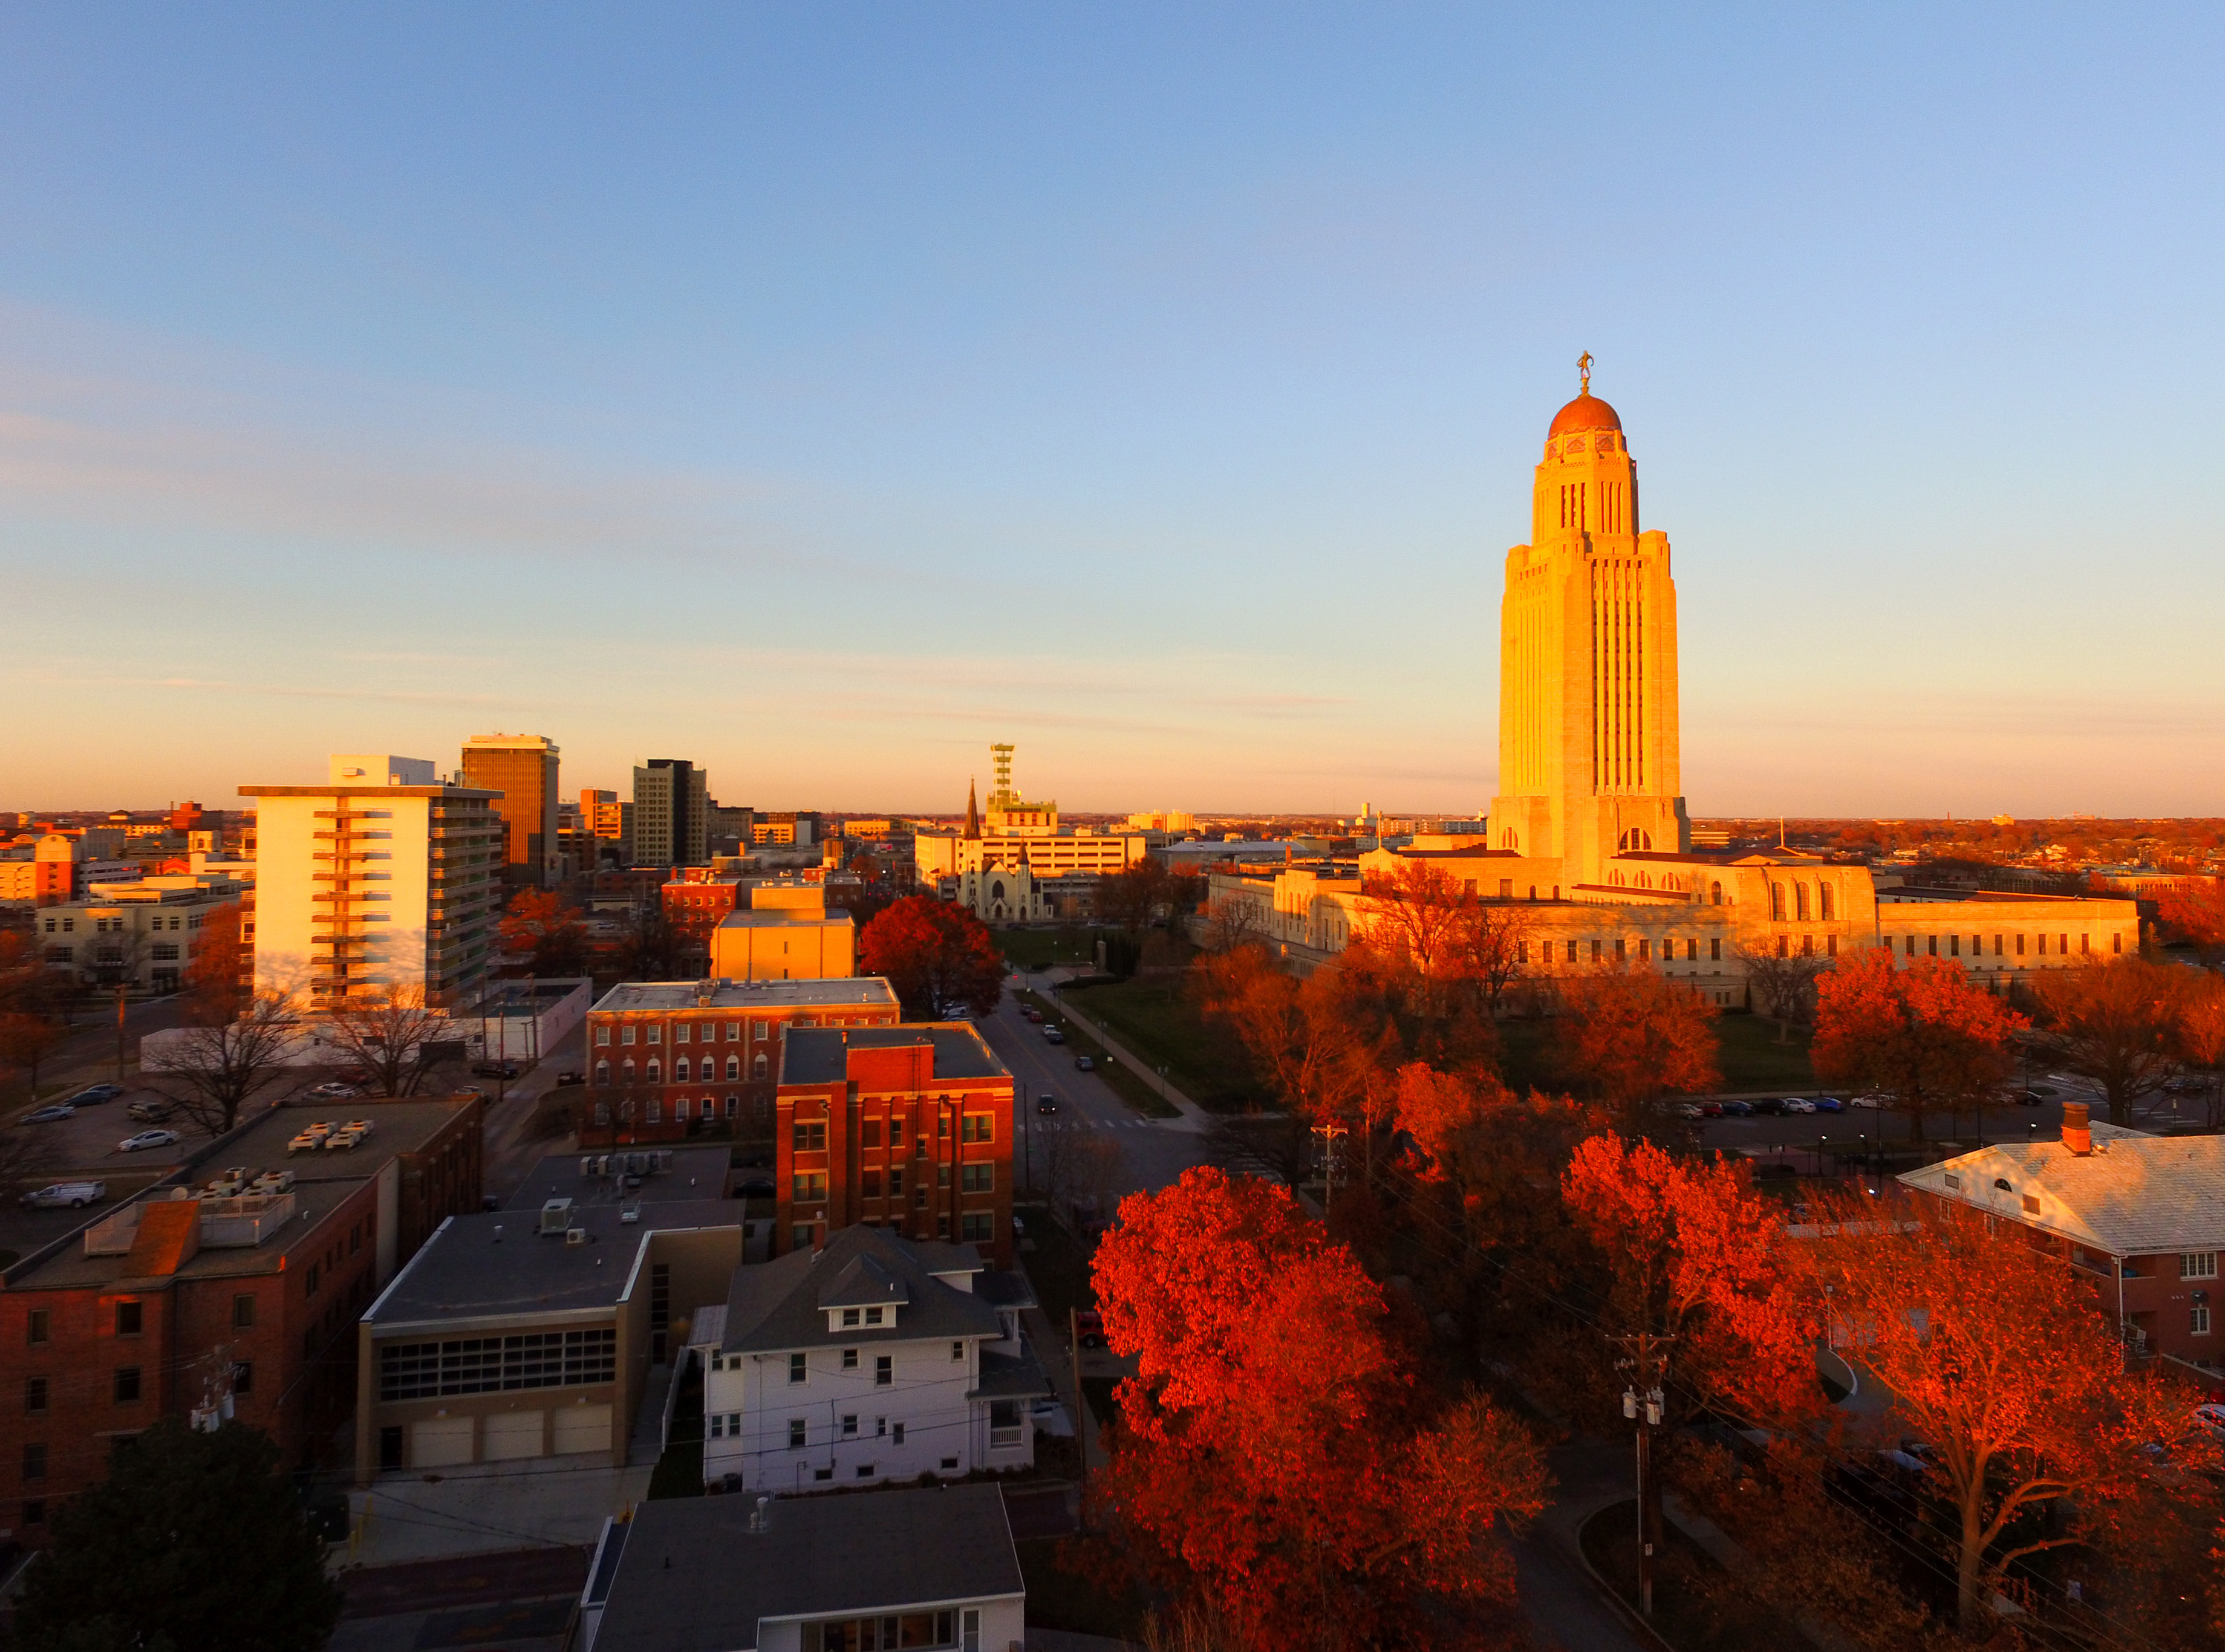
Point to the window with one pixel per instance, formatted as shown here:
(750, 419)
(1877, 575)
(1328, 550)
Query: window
(682, 1069)
(885, 1373)
(656, 1034)
(684, 1032)
(898, 1436)
(165, 952)
(872, 1316)
(1777, 902)
(872, 1184)
(958, 1351)
(35, 1460)
(1645, 948)
(602, 1073)
(126, 1384)
(2117, 942)
(2019, 950)
(977, 1227)
(603, 1036)
(795, 1433)
(1800, 901)
(656, 1071)
(1595, 951)
(2198, 1264)
(896, 1181)
(2032, 1205)
(130, 1317)
(809, 1187)
(625, 1069)
(37, 1324)
(1823, 901)
(625, 1033)
(1783, 946)
(35, 1394)
(977, 1178)
(425, 1370)
(977, 1127)
(2198, 1321)
(849, 1425)
(849, 1355)
(942, 1175)
(810, 1137)
(1716, 950)
(1830, 946)
(796, 1367)
(734, 1068)
(1522, 947)
(895, 1132)
(1932, 945)
(1954, 946)
(757, 1068)
(759, 1031)
(243, 1376)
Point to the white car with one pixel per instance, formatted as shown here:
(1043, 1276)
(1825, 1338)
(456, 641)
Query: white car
(1798, 1104)
(336, 1092)
(147, 1139)
(1875, 1101)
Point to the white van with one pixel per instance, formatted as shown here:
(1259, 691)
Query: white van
(74, 1195)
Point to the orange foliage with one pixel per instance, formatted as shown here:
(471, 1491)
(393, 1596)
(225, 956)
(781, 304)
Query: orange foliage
(1927, 1033)
(2195, 907)
(547, 928)
(2004, 1363)
(1278, 1469)
(1635, 1035)
(213, 973)
(939, 958)
(1299, 1037)
(2116, 1022)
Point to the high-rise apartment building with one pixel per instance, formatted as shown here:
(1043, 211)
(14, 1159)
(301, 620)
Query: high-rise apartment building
(522, 768)
(671, 813)
(384, 877)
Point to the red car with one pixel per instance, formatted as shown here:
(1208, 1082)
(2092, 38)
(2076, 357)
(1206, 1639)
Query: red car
(1089, 1328)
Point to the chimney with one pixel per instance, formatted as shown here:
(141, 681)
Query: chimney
(2075, 1135)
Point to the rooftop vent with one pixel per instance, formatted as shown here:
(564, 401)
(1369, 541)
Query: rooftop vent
(555, 1215)
(576, 1236)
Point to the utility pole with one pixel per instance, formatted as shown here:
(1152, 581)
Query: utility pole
(1081, 1408)
(1331, 1133)
(120, 989)
(1643, 1403)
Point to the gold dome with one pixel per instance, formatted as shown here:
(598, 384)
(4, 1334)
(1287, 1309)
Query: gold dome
(1587, 412)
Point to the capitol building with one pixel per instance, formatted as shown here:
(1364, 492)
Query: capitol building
(1589, 834)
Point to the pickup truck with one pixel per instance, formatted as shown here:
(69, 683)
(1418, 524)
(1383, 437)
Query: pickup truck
(72, 1195)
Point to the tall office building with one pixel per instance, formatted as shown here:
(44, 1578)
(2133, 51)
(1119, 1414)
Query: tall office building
(521, 768)
(671, 813)
(382, 877)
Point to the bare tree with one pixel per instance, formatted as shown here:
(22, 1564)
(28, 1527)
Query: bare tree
(391, 1033)
(1233, 920)
(210, 1071)
(27, 1156)
(1783, 984)
(1493, 947)
(26, 1040)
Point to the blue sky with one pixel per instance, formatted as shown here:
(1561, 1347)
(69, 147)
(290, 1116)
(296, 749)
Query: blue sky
(822, 393)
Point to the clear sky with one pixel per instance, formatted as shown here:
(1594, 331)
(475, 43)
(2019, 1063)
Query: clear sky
(822, 392)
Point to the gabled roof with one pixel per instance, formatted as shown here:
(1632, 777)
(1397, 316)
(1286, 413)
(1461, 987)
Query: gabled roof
(2134, 1195)
(780, 1305)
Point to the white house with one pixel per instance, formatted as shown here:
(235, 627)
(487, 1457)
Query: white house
(903, 1569)
(875, 1358)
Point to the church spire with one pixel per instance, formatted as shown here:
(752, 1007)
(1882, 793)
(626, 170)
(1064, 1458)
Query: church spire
(973, 811)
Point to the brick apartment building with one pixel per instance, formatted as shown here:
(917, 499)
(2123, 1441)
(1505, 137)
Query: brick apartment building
(693, 902)
(667, 1059)
(2141, 1218)
(243, 1303)
(905, 1127)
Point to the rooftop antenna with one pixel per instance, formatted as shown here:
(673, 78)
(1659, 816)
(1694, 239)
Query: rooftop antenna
(1584, 367)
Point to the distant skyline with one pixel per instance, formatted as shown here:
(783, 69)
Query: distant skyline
(823, 395)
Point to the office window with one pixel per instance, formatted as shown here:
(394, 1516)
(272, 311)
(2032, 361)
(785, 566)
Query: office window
(977, 1227)
(760, 1033)
(872, 1184)
(603, 1035)
(1645, 948)
(682, 1069)
(1716, 950)
(809, 1187)
(977, 1178)
(885, 1373)
(35, 1394)
(810, 1137)
(977, 1127)
(37, 1324)
(35, 1460)
(656, 1071)
(126, 1384)
(130, 1317)
(896, 1181)
(895, 1132)
(796, 1367)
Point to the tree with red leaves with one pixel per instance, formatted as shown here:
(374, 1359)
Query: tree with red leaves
(1279, 1471)
(1927, 1034)
(546, 928)
(939, 958)
(1698, 1269)
(2006, 1365)
(1633, 1036)
(2195, 907)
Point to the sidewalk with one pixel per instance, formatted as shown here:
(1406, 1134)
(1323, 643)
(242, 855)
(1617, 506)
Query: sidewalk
(1194, 1118)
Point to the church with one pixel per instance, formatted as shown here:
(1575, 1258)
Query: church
(1589, 835)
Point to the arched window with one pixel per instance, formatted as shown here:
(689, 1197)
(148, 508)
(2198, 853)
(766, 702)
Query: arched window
(1635, 838)
(734, 1068)
(1715, 895)
(1510, 839)
(1823, 901)
(602, 1073)
(679, 1069)
(628, 1069)
(1533, 891)
(1645, 880)
(656, 1071)
(733, 1105)
(757, 1068)
(1777, 902)
(1670, 880)
(1800, 901)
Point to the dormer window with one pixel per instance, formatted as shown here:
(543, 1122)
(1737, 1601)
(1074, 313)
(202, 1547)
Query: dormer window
(872, 1316)
(852, 1316)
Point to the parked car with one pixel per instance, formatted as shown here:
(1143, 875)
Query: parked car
(2026, 1097)
(1767, 1107)
(150, 1113)
(2210, 1419)
(1089, 1328)
(1829, 1104)
(1877, 1100)
(1031, 1012)
(2186, 1084)
(53, 1113)
(92, 1095)
(467, 1089)
(495, 1069)
(563, 1078)
(1046, 1103)
(1711, 1110)
(146, 1139)
(1051, 1034)
(1738, 1109)
(1797, 1104)
(1085, 1064)
(335, 1092)
(72, 1195)
(1690, 1109)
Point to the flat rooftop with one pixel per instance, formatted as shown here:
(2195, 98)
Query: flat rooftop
(785, 918)
(489, 1265)
(691, 1174)
(822, 1054)
(69, 1268)
(864, 991)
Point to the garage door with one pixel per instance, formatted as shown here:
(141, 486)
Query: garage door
(512, 1433)
(583, 1428)
(440, 1442)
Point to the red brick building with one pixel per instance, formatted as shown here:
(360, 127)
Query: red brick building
(694, 902)
(2140, 1217)
(241, 1303)
(907, 1127)
(668, 1059)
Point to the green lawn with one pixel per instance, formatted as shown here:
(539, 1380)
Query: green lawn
(1157, 1020)
(1037, 949)
(1752, 1058)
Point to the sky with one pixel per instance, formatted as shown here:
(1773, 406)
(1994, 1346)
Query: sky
(824, 392)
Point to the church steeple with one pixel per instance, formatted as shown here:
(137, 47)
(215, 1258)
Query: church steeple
(973, 811)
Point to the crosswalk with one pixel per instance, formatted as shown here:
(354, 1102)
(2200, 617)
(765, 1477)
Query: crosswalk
(1087, 1125)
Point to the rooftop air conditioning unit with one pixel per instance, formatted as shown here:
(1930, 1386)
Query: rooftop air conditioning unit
(576, 1236)
(555, 1215)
